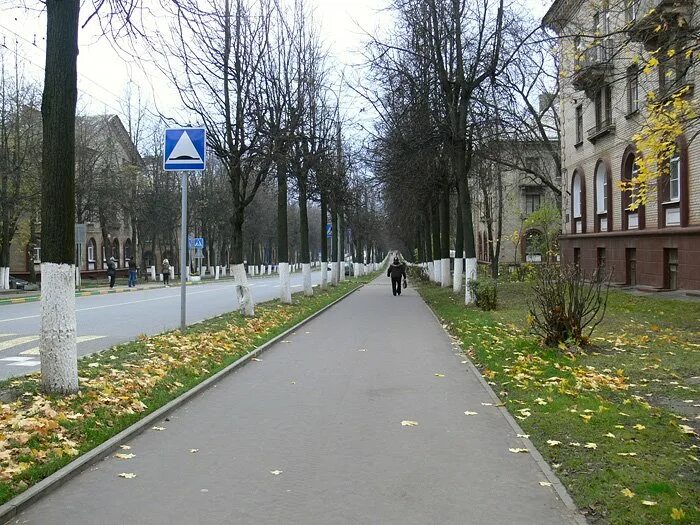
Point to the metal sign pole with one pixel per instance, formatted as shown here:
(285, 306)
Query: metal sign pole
(183, 256)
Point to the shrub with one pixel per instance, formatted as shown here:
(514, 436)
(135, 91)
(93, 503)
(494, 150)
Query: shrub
(485, 290)
(417, 273)
(567, 304)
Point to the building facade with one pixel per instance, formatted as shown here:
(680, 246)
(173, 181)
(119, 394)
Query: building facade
(606, 79)
(104, 150)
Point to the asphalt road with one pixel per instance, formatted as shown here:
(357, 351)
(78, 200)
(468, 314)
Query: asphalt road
(106, 320)
(312, 434)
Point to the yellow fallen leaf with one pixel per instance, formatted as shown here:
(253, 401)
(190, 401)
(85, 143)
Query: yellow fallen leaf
(487, 404)
(518, 450)
(591, 445)
(439, 375)
(255, 359)
(553, 442)
(127, 475)
(687, 429)
(620, 426)
(545, 484)
(525, 436)
(468, 413)
(585, 417)
(627, 492)
(276, 472)
(639, 427)
(157, 428)
(575, 444)
(194, 450)
(407, 423)
(626, 453)
(677, 514)
(649, 503)
(125, 447)
(124, 456)
(610, 435)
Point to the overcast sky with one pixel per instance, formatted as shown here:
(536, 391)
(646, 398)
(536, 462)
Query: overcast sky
(104, 75)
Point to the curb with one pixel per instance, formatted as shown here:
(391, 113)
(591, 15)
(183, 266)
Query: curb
(10, 509)
(557, 485)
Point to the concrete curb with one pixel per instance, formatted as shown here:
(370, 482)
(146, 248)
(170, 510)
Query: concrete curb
(10, 509)
(549, 474)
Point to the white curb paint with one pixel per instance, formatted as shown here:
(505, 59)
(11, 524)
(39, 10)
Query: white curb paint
(59, 357)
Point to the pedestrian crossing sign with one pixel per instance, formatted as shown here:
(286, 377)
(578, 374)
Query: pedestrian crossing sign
(185, 149)
(329, 230)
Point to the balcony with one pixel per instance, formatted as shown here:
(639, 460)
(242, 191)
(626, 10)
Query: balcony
(601, 129)
(661, 22)
(593, 67)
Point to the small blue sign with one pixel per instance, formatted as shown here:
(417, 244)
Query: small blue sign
(329, 230)
(196, 242)
(185, 149)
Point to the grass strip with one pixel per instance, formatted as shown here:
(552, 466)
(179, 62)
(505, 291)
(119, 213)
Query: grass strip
(617, 423)
(39, 434)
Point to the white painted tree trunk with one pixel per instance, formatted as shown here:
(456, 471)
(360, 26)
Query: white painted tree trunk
(431, 272)
(445, 273)
(341, 271)
(285, 284)
(334, 273)
(458, 275)
(2, 278)
(306, 277)
(356, 269)
(470, 272)
(57, 347)
(243, 292)
(216, 273)
(324, 275)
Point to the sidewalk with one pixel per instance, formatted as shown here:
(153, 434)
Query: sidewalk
(312, 434)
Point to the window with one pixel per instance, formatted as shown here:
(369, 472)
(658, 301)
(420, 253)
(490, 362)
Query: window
(577, 257)
(601, 180)
(577, 52)
(601, 259)
(672, 73)
(632, 89)
(577, 196)
(603, 107)
(532, 202)
(91, 252)
(37, 254)
(579, 124)
(674, 187)
(631, 260)
(631, 7)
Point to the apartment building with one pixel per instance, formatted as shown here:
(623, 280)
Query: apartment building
(604, 89)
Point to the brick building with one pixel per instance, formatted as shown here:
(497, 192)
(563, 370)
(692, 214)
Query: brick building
(603, 92)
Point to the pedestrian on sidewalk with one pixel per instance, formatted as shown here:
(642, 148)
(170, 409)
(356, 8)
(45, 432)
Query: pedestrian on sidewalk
(396, 271)
(166, 272)
(133, 269)
(112, 271)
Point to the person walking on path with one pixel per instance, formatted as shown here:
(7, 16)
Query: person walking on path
(111, 271)
(132, 272)
(396, 271)
(166, 272)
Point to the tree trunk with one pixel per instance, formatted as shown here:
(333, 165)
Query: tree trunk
(59, 364)
(435, 223)
(341, 245)
(324, 243)
(461, 167)
(243, 293)
(445, 239)
(282, 236)
(334, 249)
(304, 238)
(459, 250)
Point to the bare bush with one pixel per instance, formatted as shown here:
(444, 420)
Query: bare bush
(568, 304)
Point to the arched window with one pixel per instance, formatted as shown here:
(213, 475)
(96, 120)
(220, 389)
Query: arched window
(578, 202)
(91, 253)
(127, 251)
(115, 251)
(631, 219)
(602, 186)
(673, 188)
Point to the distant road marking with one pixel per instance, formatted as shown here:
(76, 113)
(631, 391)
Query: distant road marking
(20, 361)
(80, 339)
(218, 288)
(19, 341)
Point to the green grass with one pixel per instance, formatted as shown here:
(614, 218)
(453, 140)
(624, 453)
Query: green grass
(642, 367)
(102, 424)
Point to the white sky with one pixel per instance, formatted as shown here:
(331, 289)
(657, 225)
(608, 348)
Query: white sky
(104, 75)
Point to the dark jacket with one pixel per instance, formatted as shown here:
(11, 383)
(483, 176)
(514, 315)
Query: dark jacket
(396, 271)
(111, 269)
(132, 264)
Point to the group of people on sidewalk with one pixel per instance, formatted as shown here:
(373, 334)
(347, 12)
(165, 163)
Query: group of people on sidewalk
(112, 272)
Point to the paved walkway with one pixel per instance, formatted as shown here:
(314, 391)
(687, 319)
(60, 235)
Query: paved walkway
(312, 434)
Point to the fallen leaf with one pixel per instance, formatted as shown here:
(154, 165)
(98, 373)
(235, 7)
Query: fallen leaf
(610, 435)
(255, 359)
(525, 436)
(124, 456)
(127, 475)
(627, 492)
(591, 445)
(518, 450)
(125, 447)
(639, 427)
(407, 423)
(575, 444)
(276, 472)
(194, 450)
(468, 413)
(626, 453)
(686, 429)
(545, 484)
(487, 404)
(649, 503)
(553, 442)
(157, 428)
(362, 350)
(677, 514)
(439, 375)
